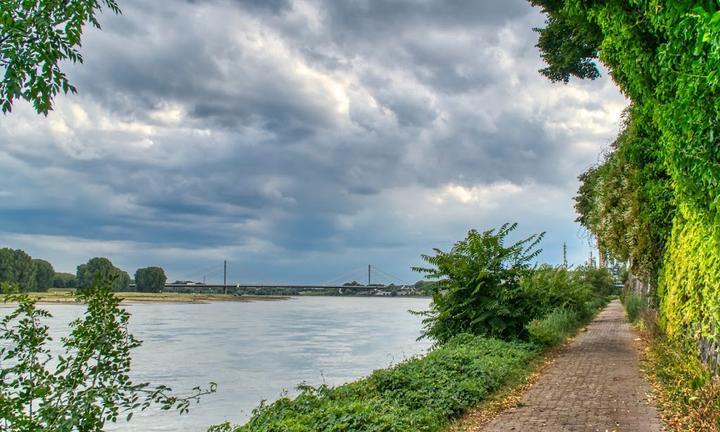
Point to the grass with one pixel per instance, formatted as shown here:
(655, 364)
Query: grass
(634, 306)
(420, 394)
(687, 392)
(553, 328)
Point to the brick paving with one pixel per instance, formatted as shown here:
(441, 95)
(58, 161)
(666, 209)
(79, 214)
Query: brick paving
(595, 384)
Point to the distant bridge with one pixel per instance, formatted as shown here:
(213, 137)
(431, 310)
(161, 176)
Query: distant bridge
(225, 287)
(229, 288)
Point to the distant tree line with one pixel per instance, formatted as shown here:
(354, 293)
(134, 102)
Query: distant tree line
(19, 268)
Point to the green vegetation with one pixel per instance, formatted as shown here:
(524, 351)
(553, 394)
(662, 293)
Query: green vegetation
(688, 392)
(486, 288)
(686, 388)
(655, 199)
(17, 267)
(35, 38)
(478, 285)
(634, 306)
(64, 280)
(553, 328)
(492, 315)
(150, 279)
(101, 268)
(86, 385)
(420, 394)
(44, 274)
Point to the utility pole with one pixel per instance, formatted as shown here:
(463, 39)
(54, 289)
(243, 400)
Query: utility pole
(225, 277)
(369, 266)
(565, 263)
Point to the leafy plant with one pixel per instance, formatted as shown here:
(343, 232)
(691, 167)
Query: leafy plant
(547, 288)
(478, 288)
(36, 36)
(87, 385)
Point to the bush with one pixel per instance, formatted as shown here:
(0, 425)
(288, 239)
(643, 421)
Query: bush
(553, 328)
(599, 280)
(478, 286)
(420, 394)
(549, 288)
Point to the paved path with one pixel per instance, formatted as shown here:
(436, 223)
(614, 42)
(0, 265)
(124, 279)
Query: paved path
(595, 384)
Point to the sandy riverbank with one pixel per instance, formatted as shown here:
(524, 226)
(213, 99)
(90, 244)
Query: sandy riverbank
(61, 297)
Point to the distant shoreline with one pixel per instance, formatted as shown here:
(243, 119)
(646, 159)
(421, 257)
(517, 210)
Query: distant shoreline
(130, 298)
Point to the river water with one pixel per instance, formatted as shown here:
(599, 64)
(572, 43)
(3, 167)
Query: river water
(258, 350)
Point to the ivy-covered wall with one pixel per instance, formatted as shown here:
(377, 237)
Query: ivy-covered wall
(689, 291)
(665, 57)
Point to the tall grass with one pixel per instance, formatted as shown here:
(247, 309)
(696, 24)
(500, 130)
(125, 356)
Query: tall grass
(553, 328)
(634, 306)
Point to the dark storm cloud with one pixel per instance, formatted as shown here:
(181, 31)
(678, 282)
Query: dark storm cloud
(289, 129)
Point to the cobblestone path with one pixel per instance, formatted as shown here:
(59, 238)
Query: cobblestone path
(595, 384)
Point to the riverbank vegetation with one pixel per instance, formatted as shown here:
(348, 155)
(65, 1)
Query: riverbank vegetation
(493, 314)
(420, 394)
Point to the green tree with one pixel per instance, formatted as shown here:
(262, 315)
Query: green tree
(86, 385)
(64, 280)
(17, 267)
(44, 274)
(665, 57)
(102, 268)
(150, 279)
(478, 287)
(36, 37)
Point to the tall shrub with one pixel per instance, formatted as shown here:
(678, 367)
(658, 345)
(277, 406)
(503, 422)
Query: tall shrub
(478, 286)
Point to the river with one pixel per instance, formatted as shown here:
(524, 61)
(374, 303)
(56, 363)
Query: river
(258, 350)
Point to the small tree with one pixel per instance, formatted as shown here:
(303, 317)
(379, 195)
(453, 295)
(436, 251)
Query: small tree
(44, 274)
(478, 285)
(150, 279)
(86, 386)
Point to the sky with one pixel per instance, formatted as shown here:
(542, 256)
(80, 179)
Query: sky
(301, 140)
